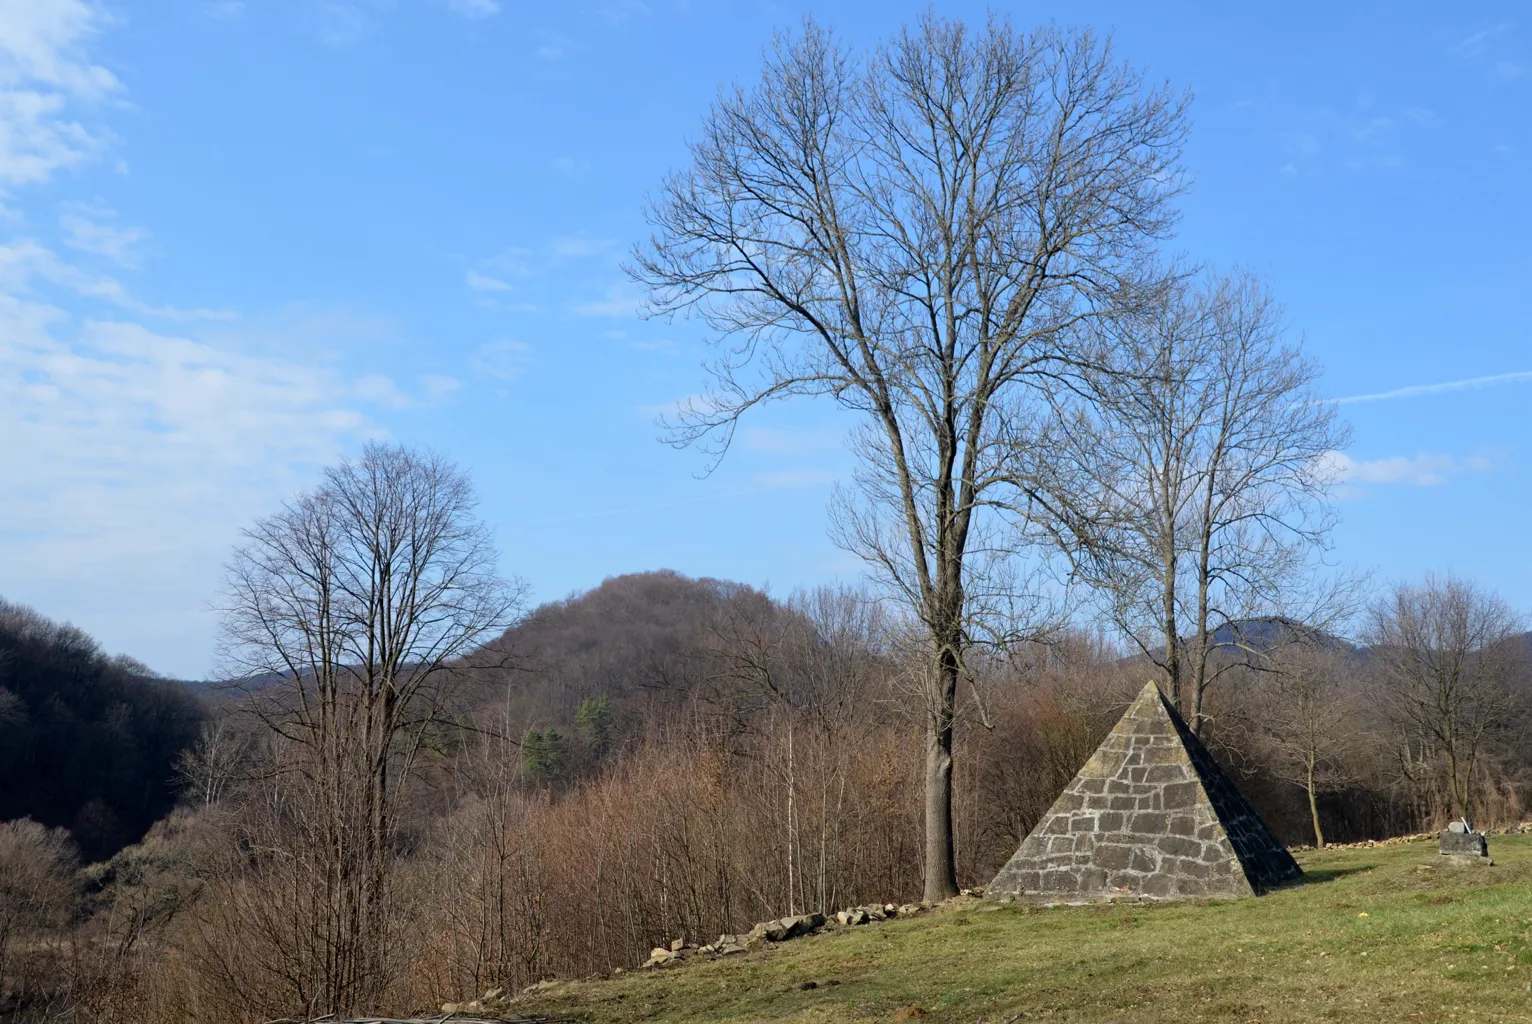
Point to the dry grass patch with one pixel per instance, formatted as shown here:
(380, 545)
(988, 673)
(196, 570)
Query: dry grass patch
(1377, 934)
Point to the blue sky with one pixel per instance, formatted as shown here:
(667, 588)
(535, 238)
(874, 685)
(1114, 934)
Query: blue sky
(237, 239)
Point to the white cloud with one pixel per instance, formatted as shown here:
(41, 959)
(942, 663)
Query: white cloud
(340, 23)
(380, 390)
(1426, 469)
(24, 262)
(484, 283)
(565, 247)
(796, 478)
(84, 229)
(620, 12)
(438, 387)
(786, 441)
(621, 301)
(504, 359)
(1439, 388)
(44, 76)
(124, 444)
(474, 8)
(1475, 44)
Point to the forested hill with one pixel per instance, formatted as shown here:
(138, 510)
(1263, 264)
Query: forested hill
(637, 640)
(87, 742)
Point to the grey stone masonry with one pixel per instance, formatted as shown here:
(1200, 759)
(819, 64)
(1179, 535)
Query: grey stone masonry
(1150, 815)
(1460, 840)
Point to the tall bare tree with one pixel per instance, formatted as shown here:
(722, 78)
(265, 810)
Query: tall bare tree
(1447, 656)
(347, 610)
(1309, 715)
(1209, 455)
(917, 232)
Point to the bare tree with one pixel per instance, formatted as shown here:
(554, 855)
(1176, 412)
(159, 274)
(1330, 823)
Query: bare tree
(1310, 717)
(917, 233)
(1447, 656)
(348, 609)
(1209, 455)
(207, 767)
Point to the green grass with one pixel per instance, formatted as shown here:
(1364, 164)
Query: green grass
(1383, 933)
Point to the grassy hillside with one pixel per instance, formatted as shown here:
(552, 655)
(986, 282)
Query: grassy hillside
(1384, 933)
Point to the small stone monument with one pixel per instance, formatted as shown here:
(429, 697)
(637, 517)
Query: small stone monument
(1461, 842)
(1150, 816)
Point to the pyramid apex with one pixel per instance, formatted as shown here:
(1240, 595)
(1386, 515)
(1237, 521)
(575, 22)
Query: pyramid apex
(1151, 689)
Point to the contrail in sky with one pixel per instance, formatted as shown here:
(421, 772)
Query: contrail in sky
(1416, 390)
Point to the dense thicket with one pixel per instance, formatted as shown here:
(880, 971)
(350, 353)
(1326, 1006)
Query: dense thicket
(87, 742)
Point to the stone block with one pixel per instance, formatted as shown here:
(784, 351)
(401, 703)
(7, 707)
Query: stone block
(1113, 858)
(1463, 844)
(1179, 846)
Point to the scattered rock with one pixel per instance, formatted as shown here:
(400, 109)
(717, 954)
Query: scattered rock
(659, 956)
(676, 945)
(537, 986)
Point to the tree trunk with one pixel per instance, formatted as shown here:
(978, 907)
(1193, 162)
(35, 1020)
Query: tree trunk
(1319, 835)
(941, 863)
(1172, 633)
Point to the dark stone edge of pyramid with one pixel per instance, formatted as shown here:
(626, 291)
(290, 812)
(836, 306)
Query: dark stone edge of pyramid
(1265, 860)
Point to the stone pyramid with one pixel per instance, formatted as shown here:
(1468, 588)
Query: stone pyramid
(1151, 815)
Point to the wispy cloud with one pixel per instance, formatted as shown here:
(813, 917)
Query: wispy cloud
(24, 262)
(1427, 469)
(1479, 49)
(86, 228)
(438, 387)
(484, 283)
(341, 23)
(1476, 44)
(796, 478)
(569, 247)
(504, 359)
(474, 8)
(621, 301)
(620, 12)
(554, 47)
(779, 441)
(47, 82)
(123, 441)
(1442, 388)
